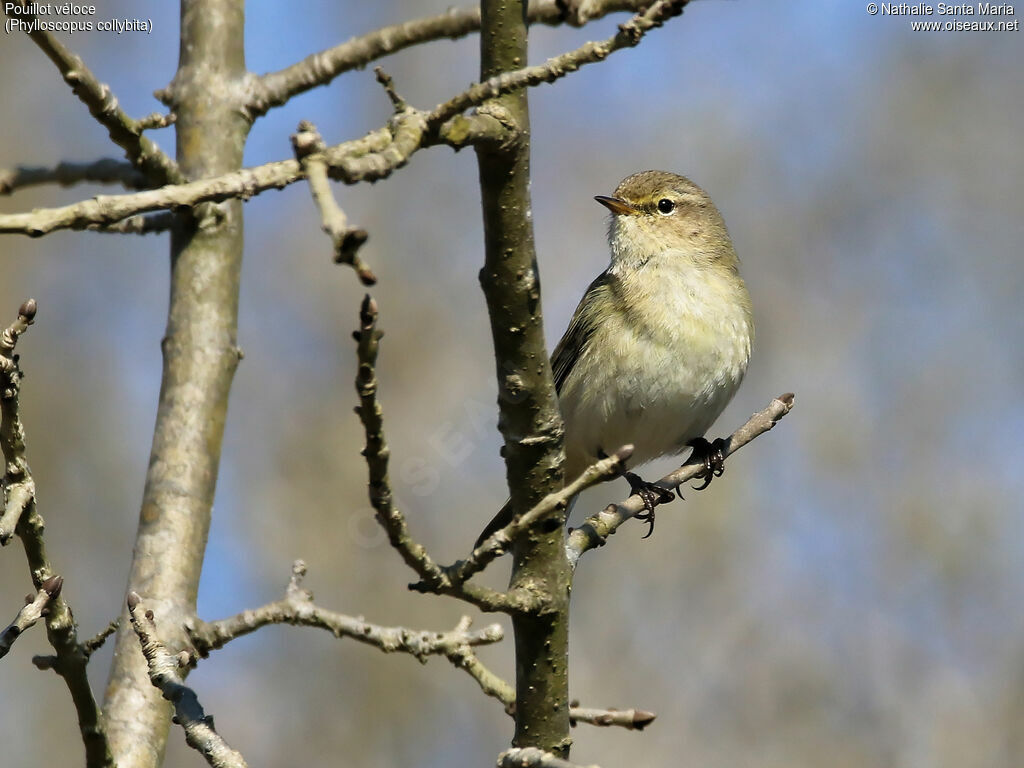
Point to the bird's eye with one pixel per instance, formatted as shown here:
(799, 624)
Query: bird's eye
(666, 206)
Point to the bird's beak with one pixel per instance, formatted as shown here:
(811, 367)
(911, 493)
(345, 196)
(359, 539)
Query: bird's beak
(616, 205)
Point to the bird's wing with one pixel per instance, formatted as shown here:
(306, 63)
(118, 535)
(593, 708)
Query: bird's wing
(581, 328)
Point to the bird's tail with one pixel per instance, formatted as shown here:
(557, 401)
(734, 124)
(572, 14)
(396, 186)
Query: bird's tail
(499, 521)
(505, 516)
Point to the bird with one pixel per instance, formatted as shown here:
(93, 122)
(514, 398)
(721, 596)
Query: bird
(661, 339)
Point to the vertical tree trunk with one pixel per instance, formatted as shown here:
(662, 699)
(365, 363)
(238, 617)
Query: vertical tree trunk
(529, 418)
(200, 356)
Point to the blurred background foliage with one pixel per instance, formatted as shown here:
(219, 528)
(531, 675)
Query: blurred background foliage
(848, 595)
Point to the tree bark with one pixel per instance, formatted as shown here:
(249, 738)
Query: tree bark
(200, 355)
(529, 418)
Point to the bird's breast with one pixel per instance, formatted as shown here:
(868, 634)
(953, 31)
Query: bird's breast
(657, 373)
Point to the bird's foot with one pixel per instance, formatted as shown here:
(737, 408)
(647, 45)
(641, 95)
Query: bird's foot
(651, 494)
(713, 457)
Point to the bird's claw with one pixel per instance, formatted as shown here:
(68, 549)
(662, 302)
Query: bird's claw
(651, 494)
(712, 455)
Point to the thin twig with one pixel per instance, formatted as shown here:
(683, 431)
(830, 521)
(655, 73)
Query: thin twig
(18, 484)
(124, 131)
(388, 84)
(499, 541)
(96, 642)
(434, 578)
(66, 174)
(368, 159)
(143, 224)
(33, 610)
(297, 608)
(156, 120)
(19, 488)
(21, 513)
(630, 719)
(596, 529)
(276, 88)
(309, 151)
(164, 674)
(628, 36)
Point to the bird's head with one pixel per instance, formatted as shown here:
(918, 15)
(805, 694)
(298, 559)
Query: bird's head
(659, 216)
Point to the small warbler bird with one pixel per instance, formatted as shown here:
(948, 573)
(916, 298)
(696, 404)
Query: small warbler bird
(661, 339)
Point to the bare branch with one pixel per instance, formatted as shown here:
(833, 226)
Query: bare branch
(309, 151)
(531, 757)
(595, 530)
(156, 120)
(144, 224)
(529, 419)
(297, 608)
(96, 642)
(200, 356)
(21, 513)
(124, 131)
(388, 83)
(106, 171)
(630, 719)
(377, 453)
(491, 684)
(628, 36)
(499, 541)
(369, 158)
(276, 88)
(163, 673)
(19, 486)
(373, 157)
(32, 611)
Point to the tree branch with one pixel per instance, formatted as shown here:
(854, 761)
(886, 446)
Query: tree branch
(33, 610)
(531, 757)
(19, 486)
(200, 355)
(66, 174)
(630, 719)
(628, 36)
(309, 151)
(96, 642)
(377, 454)
(21, 513)
(498, 542)
(595, 530)
(144, 224)
(200, 733)
(276, 88)
(529, 419)
(297, 608)
(124, 131)
(368, 159)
